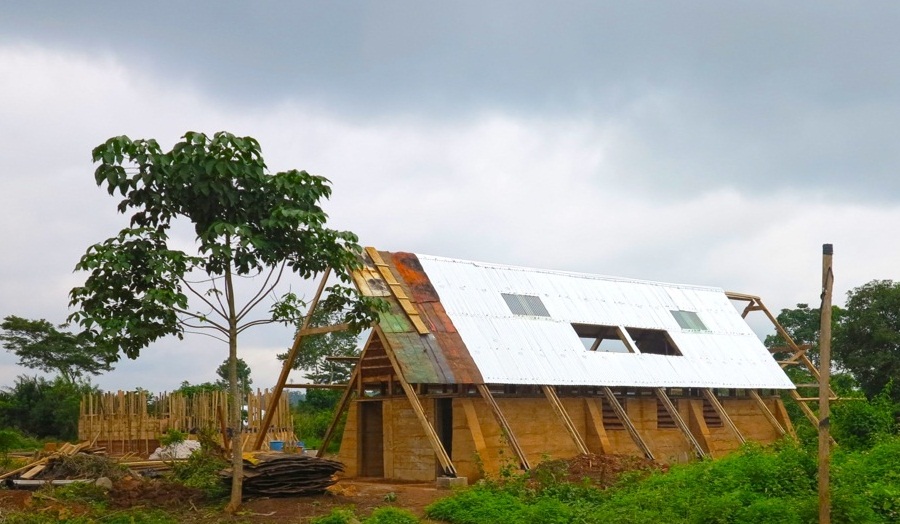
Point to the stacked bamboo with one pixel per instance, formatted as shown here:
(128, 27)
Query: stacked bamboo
(133, 421)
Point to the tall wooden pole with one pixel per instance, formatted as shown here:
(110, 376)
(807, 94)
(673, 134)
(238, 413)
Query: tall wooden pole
(824, 387)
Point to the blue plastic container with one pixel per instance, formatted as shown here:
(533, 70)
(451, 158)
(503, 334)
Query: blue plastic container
(276, 445)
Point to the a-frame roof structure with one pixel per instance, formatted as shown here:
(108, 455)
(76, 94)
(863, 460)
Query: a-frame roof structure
(461, 322)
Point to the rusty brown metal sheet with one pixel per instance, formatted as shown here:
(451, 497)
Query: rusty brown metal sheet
(439, 357)
(408, 268)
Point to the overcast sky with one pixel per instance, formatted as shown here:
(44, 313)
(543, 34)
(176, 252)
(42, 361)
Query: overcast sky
(712, 143)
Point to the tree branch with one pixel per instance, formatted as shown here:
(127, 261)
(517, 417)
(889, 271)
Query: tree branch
(221, 312)
(210, 335)
(264, 290)
(259, 322)
(202, 319)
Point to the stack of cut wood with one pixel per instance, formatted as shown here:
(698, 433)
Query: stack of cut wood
(286, 474)
(32, 470)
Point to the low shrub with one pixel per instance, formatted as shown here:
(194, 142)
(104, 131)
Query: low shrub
(391, 515)
(201, 471)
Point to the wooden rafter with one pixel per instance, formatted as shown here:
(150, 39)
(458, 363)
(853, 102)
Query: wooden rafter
(676, 417)
(430, 433)
(629, 426)
(289, 364)
(720, 410)
(504, 425)
(550, 393)
(798, 356)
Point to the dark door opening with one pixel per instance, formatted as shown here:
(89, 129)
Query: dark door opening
(372, 445)
(443, 425)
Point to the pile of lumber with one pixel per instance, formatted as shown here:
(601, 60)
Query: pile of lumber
(36, 467)
(50, 466)
(286, 474)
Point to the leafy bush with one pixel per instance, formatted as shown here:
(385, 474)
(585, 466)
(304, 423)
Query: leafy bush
(775, 484)
(859, 424)
(391, 515)
(337, 516)
(201, 471)
(172, 436)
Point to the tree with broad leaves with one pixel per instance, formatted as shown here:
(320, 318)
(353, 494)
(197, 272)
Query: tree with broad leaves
(802, 324)
(867, 343)
(40, 345)
(248, 223)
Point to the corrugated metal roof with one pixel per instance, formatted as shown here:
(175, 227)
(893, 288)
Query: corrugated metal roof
(516, 349)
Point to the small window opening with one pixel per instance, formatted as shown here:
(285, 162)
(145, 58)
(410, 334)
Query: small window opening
(710, 415)
(611, 421)
(601, 338)
(525, 305)
(664, 419)
(653, 341)
(689, 320)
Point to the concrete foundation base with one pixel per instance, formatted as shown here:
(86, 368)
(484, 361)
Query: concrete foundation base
(452, 482)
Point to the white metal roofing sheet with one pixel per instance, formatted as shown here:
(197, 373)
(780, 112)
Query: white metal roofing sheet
(513, 349)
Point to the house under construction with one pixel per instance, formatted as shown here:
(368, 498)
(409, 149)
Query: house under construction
(477, 365)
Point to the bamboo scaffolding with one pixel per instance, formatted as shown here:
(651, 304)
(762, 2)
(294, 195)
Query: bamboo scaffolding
(132, 422)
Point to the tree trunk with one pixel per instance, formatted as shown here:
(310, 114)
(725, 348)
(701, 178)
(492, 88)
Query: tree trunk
(237, 463)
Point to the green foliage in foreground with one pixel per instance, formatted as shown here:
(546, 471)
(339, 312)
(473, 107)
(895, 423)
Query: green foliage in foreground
(753, 486)
(383, 515)
(201, 471)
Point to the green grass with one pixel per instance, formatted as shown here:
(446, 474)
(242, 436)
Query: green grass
(756, 485)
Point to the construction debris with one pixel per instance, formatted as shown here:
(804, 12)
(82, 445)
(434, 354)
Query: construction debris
(286, 474)
(177, 450)
(74, 463)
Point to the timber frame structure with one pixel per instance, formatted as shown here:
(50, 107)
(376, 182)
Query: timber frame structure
(419, 406)
(423, 402)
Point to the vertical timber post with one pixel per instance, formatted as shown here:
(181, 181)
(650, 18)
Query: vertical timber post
(824, 386)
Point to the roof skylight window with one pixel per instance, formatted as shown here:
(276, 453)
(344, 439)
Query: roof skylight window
(689, 320)
(525, 305)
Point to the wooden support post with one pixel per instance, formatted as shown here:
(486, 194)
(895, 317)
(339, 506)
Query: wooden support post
(695, 417)
(595, 410)
(430, 433)
(623, 416)
(824, 387)
(504, 425)
(474, 427)
(550, 393)
(720, 409)
(767, 412)
(676, 417)
(288, 365)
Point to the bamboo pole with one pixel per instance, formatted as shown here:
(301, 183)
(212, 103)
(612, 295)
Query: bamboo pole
(824, 386)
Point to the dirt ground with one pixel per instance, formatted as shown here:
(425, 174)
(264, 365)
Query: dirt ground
(360, 495)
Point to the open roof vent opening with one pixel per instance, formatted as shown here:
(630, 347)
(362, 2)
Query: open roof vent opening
(653, 341)
(525, 305)
(605, 339)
